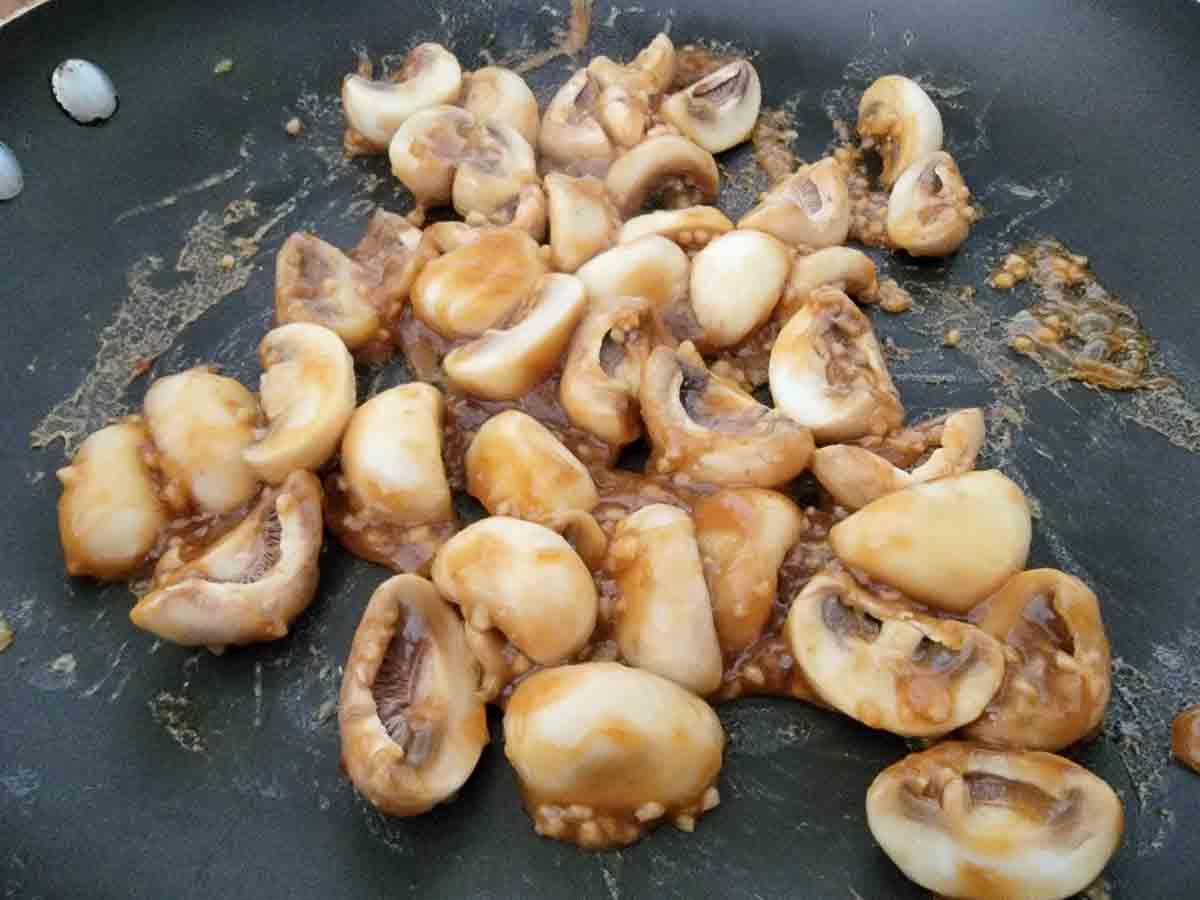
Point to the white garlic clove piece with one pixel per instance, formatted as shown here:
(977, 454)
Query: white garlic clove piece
(719, 110)
(202, 424)
(572, 140)
(375, 110)
(506, 363)
(522, 579)
(966, 821)
(651, 267)
(641, 172)
(84, 91)
(897, 118)
(307, 394)
(425, 152)
(848, 270)
(110, 514)
(495, 92)
(887, 666)
(478, 286)
(603, 370)
(579, 784)
(948, 543)
(690, 228)
(743, 535)
(412, 728)
(12, 180)
(810, 208)
(735, 283)
(249, 585)
(709, 430)
(583, 221)
(827, 371)
(1059, 676)
(929, 209)
(664, 618)
(517, 467)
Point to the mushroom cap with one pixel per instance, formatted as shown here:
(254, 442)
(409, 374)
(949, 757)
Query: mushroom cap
(583, 221)
(431, 76)
(848, 270)
(887, 666)
(948, 543)
(929, 208)
(719, 110)
(572, 139)
(425, 152)
(495, 92)
(641, 171)
(493, 168)
(693, 226)
(736, 281)
(965, 821)
(317, 282)
(651, 267)
(307, 394)
(810, 208)
(900, 120)
(250, 584)
(412, 728)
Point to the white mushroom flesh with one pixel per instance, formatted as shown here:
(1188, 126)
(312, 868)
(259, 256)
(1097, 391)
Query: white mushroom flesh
(317, 282)
(583, 221)
(719, 110)
(425, 152)
(651, 267)
(495, 92)
(663, 161)
(735, 283)
(495, 165)
(604, 753)
(572, 140)
(965, 821)
(848, 270)
(929, 209)
(375, 110)
(691, 228)
(897, 118)
(809, 209)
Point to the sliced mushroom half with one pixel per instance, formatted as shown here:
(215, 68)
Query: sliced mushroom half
(496, 164)
(657, 59)
(897, 118)
(201, 423)
(949, 543)
(583, 221)
(929, 209)
(827, 371)
(478, 286)
(810, 208)
(375, 110)
(603, 370)
(1059, 674)
(704, 428)
(665, 161)
(965, 821)
(848, 270)
(887, 666)
(744, 535)
(250, 584)
(506, 363)
(735, 283)
(412, 727)
(651, 267)
(719, 110)
(110, 513)
(572, 140)
(495, 92)
(690, 228)
(425, 152)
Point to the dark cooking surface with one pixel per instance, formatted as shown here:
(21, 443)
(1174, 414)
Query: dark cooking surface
(159, 772)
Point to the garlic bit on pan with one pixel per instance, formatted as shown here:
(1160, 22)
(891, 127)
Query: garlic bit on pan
(966, 821)
(84, 91)
(604, 753)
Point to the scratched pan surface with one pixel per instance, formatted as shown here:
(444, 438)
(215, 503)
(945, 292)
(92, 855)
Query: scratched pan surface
(129, 769)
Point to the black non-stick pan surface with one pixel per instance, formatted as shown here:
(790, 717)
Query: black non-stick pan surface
(130, 768)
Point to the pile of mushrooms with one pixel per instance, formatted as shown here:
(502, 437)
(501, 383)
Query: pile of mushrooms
(578, 307)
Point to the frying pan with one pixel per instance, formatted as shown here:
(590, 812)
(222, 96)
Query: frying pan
(134, 769)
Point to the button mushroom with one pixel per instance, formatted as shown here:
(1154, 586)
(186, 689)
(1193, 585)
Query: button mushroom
(651, 267)
(719, 110)
(506, 363)
(495, 165)
(425, 152)
(691, 228)
(735, 283)
(709, 430)
(479, 285)
(412, 729)
(1059, 674)
(844, 268)
(744, 535)
(657, 60)
(603, 370)
(495, 92)
(604, 753)
(968, 822)
(887, 666)
(522, 579)
(375, 110)
(856, 476)
(897, 118)
(572, 140)
(517, 467)
(250, 584)
(307, 394)
(810, 208)
(110, 513)
(583, 221)
(398, 508)
(664, 618)
(664, 161)
(201, 423)
(827, 371)
(949, 543)
(929, 209)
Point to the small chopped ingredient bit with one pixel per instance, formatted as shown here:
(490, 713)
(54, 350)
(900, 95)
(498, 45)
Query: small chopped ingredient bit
(1185, 737)
(294, 126)
(893, 298)
(224, 67)
(952, 338)
(227, 261)
(6, 634)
